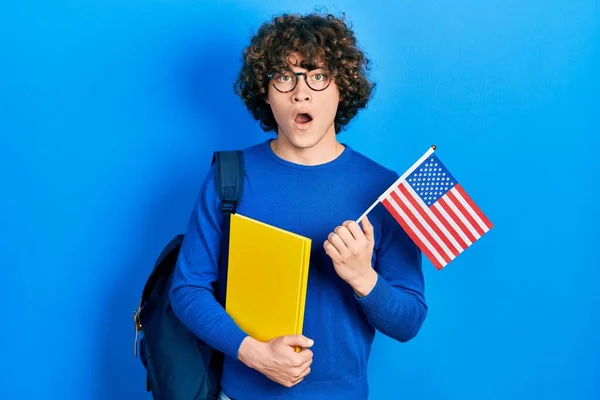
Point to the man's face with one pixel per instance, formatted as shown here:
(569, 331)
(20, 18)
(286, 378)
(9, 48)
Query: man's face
(304, 116)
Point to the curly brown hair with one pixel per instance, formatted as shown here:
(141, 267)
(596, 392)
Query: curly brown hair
(323, 41)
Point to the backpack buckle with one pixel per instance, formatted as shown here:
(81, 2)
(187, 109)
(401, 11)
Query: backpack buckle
(136, 320)
(228, 206)
(138, 327)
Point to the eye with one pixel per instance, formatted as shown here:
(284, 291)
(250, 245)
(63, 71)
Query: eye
(319, 77)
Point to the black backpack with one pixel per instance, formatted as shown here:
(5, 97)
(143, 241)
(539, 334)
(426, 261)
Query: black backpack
(179, 366)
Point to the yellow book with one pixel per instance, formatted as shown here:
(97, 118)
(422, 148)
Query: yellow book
(267, 278)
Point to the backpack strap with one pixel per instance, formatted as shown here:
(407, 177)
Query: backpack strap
(230, 185)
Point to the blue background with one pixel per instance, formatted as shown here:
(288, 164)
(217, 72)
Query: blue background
(110, 110)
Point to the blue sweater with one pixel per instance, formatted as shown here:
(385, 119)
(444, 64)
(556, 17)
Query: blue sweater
(311, 201)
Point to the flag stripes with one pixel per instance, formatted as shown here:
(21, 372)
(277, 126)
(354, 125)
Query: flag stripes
(444, 229)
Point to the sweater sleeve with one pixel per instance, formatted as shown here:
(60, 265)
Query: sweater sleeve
(396, 305)
(192, 293)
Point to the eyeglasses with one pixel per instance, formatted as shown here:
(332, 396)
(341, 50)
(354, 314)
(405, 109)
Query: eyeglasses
(285, 81)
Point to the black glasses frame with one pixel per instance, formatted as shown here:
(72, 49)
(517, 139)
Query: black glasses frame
(297, 76)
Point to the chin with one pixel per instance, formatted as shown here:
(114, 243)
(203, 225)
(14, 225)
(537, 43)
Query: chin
(305, 139)
(306, 142)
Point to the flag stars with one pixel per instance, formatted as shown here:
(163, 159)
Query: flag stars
(431, 180)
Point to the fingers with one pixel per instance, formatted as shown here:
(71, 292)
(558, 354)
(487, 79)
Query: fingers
(297, 380)
(303, 357)
(336, 240)
(348, 239)
(301, 371)
(307, 363)
(288, 367)
(301, 376)
(354, 230)
(368, 229)
(298, 340)
(344, 233)
(332, 251)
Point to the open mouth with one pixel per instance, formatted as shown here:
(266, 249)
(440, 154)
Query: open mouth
(303, 118)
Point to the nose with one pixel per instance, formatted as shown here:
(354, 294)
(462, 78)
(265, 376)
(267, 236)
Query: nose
(302, 91)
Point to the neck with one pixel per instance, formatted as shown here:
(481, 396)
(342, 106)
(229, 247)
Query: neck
(325, 150)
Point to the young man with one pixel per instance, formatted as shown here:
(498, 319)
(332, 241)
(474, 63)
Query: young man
(304, 78)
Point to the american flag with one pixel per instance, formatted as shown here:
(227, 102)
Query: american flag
(435, 211)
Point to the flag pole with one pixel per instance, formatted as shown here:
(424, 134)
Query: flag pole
(397, 182)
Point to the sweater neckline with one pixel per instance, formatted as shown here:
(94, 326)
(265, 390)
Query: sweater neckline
(340, 159)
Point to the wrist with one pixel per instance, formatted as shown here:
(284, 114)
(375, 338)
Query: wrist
(250, 352)
(364, 284)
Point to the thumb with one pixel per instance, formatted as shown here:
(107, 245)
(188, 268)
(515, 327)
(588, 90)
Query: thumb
(368, 229)
(297, 340)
